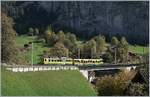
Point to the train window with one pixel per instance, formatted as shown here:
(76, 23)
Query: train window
(45, 60)
(77, 61)
(68, 60)
(49, 60)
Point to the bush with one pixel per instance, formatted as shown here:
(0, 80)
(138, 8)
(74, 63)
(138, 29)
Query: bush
(114, 85)
(30, 42)
(26, 45)
(43, 41)
(136, 89)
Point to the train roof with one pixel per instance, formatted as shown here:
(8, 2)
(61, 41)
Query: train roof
(89, 59)
(57, 58)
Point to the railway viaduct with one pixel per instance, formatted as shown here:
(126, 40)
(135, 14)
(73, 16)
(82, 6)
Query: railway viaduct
(87, 71)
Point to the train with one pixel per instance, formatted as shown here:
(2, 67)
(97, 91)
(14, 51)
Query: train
(71, 61)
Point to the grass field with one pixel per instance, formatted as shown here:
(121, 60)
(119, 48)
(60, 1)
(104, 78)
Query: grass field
(45, 83)
(38, 48)
(138, 49)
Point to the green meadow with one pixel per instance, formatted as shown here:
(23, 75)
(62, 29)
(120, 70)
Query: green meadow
(38, 48)
(139, 49)
(45, 83)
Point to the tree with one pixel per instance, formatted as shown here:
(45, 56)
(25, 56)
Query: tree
(71, 37)
(123, 41)
(104, 86)
(36, 31)
(114, 41)
(50, 36)
(107, 57)
(61, 35)
(59, 50)
(123, 49)
(117, 86)
(101, 44)
(68, 44)
(136, 89)
(48, 33)
(10, 52)
(89, 49)
(31, 31)
(92, 44)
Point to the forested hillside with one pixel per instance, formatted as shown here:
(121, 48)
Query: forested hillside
(85, 19)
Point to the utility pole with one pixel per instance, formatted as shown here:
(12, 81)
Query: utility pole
(127, 57)
(32, 52)
(78, 53)
(67, 53)
(143, 50)
(115, 55)
(91, 54)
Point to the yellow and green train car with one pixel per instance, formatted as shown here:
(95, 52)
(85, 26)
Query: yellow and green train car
(70, 61)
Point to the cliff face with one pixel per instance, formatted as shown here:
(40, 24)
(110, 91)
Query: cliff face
(87, 19)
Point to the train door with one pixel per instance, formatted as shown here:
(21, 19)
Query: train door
(63, 60)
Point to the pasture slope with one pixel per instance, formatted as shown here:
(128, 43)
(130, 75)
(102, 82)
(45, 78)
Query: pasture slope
(139, 49)
(45, 83)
